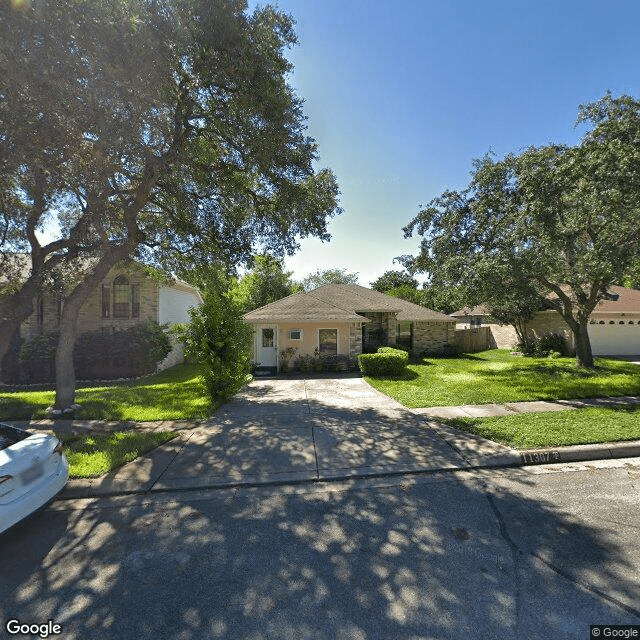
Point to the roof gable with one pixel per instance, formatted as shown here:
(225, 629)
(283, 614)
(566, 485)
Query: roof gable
(341, 302)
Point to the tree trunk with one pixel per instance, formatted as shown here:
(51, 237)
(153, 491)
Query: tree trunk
(584, 356)
(14, 310)
(65, 372)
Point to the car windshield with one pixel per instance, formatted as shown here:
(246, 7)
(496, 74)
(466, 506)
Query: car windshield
(10, 435)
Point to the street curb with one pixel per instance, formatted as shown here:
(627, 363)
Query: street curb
(575, 453)
(512, 458)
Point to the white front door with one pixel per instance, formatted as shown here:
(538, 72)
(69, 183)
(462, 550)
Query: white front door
(267, 350)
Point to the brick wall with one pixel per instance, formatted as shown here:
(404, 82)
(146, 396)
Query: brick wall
(504, 337)
(432, 335)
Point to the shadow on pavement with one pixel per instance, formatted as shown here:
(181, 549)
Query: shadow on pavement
(422, 558)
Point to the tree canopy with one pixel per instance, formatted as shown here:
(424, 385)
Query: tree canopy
(393, 279)
(328, 276)
(154, 128)
(265, 283)
(562, 219)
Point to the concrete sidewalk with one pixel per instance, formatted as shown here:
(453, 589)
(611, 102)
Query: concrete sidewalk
(535, 406)
(291, 431)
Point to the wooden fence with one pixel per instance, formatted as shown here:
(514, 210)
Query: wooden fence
(470, 340)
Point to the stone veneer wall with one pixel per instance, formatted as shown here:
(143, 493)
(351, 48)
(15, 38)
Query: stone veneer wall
(355, 339)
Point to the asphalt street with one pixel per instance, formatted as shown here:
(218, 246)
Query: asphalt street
(534, 552)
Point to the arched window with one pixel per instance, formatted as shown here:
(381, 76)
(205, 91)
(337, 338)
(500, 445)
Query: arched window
(121, 297)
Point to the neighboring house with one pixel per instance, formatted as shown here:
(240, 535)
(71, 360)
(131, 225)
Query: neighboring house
(126, 297)
(342, 319)
(614, 325)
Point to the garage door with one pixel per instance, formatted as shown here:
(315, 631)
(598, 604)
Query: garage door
(615, 339)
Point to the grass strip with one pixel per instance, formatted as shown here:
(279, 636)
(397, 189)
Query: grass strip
(556, 428)
(93, 455)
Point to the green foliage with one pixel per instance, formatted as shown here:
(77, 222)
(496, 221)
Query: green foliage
(265, 283)
(563, 220)
(173, 394)
(328, 276)
(285, 357)
(556, 428)
(545, 345)
(393, 280)
(37, 359)
(221, 342)
(386, 362)
(93, 455)
(408, 293)
(497, 376)
(127, 353)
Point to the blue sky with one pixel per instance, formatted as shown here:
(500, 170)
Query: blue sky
(402, 96)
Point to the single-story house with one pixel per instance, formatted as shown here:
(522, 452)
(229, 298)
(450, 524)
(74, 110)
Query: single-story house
(614, 325)
(127, 296)
(344, 319)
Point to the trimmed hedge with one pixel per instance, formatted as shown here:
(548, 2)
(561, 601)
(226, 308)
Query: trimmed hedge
(386, 362)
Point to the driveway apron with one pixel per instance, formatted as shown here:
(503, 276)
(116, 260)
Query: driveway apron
(278, 430)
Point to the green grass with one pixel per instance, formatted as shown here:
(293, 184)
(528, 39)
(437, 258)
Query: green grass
(496, 376)
(174, 394)
(93, 455)
(557, 428)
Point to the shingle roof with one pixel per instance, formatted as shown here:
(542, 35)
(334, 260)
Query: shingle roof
(302, 307)
(340, 302)
(628, 301)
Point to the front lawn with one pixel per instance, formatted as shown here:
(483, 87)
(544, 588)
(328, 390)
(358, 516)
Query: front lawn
(556, 428)
(497, 376)
(93, 455)
(174, 394)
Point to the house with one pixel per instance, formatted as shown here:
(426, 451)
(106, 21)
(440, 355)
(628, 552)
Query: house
(345, 319)
(127, 296)
(614, 325)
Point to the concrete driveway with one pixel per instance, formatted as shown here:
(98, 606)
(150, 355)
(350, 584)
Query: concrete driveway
(305, 429)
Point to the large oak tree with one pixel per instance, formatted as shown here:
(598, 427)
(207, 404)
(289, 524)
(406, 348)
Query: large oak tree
(562, 219)
(148, 128)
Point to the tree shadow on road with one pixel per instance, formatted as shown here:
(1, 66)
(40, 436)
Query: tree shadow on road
(418, 557)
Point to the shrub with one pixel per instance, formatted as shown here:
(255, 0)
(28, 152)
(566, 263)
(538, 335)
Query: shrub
(218, 338)
(386, 362)
(544, 345)
(37, 358)
(135, 351)
(285, 356)
(551, 342)
(130, 352)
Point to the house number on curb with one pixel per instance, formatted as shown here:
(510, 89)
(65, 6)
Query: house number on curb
(540, 457)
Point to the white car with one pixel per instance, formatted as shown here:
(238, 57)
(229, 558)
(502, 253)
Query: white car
(33, 469)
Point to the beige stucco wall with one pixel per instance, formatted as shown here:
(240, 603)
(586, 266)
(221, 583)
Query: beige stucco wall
(309, 340)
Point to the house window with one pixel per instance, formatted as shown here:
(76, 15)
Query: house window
(106, 301)
(295, 334)
(121, 297)
(404, 334)
(267, 337)
(135, 300)
(328, 342)
(40, 313)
